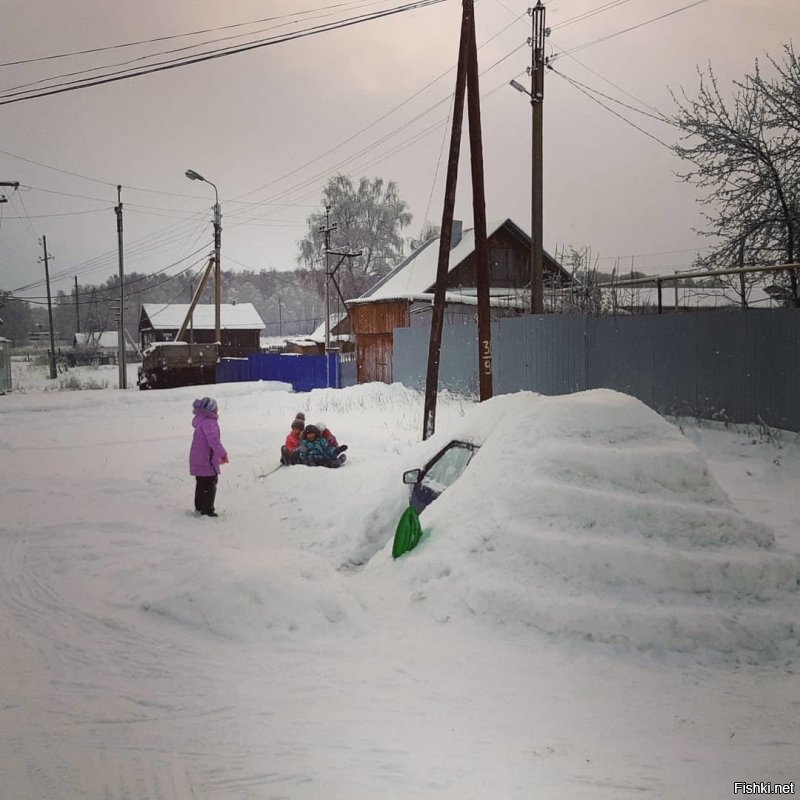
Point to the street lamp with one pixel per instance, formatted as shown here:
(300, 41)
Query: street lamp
(196, 176)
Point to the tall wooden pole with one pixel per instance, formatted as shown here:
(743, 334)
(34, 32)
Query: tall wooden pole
(479, 215)
(437, 317)
(46, 260)
(123, 378)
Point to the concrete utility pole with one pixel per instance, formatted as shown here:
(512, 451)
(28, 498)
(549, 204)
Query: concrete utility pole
(192, 175)
(537, 113)
(326, 229)
(49, 309)
(123, 378)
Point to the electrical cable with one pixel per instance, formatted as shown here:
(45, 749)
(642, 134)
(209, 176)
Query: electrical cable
(138, 59)
(166, 38)
(69, 86)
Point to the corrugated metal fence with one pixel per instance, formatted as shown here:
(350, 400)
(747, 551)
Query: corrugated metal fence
(5, 365)
(303, 372)
(741, 366)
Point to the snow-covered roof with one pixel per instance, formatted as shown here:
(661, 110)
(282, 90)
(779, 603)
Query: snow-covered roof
(318, 334)
(417, 273)
(242, 316)
(498, 298)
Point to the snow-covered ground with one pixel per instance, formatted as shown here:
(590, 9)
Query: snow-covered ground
(605, 605)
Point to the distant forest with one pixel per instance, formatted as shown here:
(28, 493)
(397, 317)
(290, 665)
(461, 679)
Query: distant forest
(290, 303)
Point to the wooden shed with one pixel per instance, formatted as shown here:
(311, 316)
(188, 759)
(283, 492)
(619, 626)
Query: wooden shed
(240, 325)
(375, 324)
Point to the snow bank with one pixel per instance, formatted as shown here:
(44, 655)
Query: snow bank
(589, 515)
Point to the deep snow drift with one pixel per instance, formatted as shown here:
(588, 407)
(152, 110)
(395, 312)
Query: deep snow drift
(588, 614)
(590, 515)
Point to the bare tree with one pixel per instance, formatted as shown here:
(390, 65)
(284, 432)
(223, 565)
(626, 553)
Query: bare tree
(746, 159)
(369, 218)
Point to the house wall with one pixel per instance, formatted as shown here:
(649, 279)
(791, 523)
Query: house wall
(508, 264)
(737, 366)
(373, 324)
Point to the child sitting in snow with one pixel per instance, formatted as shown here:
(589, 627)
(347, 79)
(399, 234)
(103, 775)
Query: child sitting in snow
(328, 434)
(289, 451)
(316, 451)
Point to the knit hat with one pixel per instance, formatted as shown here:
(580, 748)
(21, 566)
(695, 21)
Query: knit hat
(321, 426)
(205, 404)
(301, 416)
(298, 424)
(311, 429)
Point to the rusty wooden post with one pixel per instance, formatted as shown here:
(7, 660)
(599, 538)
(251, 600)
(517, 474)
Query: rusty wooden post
(479, 214)
(437, 317)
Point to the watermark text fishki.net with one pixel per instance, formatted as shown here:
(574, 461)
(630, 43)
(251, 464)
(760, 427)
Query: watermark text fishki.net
(763, 787)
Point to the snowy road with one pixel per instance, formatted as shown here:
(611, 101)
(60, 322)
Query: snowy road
(150, 655)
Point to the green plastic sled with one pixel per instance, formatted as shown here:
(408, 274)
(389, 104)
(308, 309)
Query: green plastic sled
(408, 532)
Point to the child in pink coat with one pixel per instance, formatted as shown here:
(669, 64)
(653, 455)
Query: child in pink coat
(206, 455)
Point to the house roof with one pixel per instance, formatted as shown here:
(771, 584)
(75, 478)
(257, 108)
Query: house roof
(416, 275)
(241, 316)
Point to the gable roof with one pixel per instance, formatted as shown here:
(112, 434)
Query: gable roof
(241, 316)
(416, 275)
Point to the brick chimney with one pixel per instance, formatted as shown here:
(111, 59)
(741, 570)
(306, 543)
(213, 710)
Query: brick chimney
(455, 235)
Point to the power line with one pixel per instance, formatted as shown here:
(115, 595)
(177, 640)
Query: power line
(166, 38)
(166, 52)
(635, 27)
(580, 88)
(221, 53)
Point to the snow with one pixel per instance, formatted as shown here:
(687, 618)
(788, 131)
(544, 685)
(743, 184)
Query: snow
(604, 605)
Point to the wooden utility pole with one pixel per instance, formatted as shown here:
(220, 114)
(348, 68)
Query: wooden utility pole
(123, 377)
(437, 317)
(479, 217)
(537, 182)
(466, 86)
(77, 308)
(49, 310)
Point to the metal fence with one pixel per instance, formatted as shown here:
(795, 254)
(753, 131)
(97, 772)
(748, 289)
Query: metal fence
(5, 365)
(303, 372)
(740, 366)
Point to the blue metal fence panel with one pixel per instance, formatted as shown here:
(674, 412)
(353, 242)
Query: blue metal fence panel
(303, 372)
(232, 370)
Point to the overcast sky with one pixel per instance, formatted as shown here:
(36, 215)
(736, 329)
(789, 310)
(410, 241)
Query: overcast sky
(269, 126)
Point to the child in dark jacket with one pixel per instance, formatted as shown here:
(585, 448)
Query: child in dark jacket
(206, 455)
(316, 451)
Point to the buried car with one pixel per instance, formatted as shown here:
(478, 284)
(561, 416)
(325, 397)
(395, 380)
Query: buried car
(440, 472)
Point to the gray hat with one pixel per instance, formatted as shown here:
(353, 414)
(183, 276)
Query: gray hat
(205, 404)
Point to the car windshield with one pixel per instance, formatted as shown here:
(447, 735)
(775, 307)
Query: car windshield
(448, 467)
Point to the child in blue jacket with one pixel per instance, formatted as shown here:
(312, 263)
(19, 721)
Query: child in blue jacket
(316, 451)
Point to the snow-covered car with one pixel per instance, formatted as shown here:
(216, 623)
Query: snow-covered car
(428, 482)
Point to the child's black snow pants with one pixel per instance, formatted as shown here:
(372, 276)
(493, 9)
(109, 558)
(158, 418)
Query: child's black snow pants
(205, 493)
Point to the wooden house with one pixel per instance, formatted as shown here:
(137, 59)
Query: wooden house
(404, 297)
(240, 326)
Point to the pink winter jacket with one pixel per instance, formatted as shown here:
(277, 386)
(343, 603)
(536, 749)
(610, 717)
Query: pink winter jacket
(207, 451)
